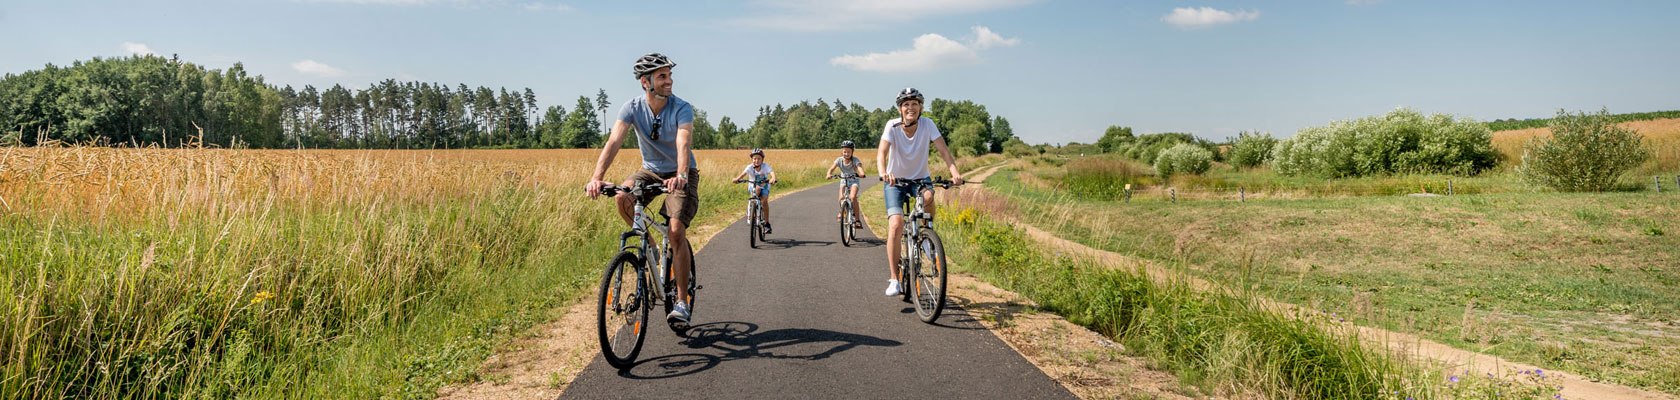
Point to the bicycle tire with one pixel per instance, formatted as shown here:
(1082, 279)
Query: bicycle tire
(752, 226)
(612, 297)
(905, 266)
(930, 285)
(846, 223)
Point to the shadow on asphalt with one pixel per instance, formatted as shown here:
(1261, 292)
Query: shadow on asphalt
(780, 244)
(742, 341)
(957, 316)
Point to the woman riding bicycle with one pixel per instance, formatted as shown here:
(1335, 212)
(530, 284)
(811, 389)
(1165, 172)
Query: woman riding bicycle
(759, 171)
(903, 161)
(850, 168)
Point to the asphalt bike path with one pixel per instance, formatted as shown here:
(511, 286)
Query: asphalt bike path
(802, 316)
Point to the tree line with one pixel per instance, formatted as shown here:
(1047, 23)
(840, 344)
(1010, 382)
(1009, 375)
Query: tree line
(148, 100)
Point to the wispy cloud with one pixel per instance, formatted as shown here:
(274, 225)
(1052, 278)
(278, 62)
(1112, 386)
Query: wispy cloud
(312, 67)
(139, 49)
(526, 5)
(928, 52)
(1203, 17)
(546, 6)
(820, 15)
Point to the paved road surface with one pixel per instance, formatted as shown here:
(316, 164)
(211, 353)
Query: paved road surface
(804, 317)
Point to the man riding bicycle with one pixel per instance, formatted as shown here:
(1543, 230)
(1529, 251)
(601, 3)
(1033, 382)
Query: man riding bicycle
(850, 168)
(903, 161)
(664, 124)
(760, 171)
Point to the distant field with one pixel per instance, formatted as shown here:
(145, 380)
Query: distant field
(1584, 282)
(312, 274)
(1662, 136)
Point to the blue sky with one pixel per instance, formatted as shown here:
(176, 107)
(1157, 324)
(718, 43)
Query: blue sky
(1059, 70)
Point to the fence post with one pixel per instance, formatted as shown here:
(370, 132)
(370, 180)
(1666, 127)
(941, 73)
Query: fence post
(1449, 187)
(1656, 182)
(1128, 193)
(1174, 193)
(1242, 194)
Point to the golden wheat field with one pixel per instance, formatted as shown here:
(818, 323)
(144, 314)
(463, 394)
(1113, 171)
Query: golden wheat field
(1662, 136)
(169, 273)
(118, 183)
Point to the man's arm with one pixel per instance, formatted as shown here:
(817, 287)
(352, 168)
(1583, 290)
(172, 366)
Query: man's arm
(615, 140)
(881, 161)
(684, 133)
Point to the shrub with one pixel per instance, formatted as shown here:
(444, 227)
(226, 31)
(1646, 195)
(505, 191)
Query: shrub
(1403, 141)
(1183, 159)
(1251, 149)
(1586, 153)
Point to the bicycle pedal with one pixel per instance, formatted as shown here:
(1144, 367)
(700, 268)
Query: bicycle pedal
(698, 287)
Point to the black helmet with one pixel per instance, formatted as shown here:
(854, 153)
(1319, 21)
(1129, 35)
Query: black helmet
(847, 145)
(907, 94)
(756, 152)
(650, 62)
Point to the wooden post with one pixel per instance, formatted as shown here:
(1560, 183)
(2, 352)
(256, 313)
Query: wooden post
(1174, 193)
(1449, 187)
(1129, 192)
(1242, 194)
(1656, 182)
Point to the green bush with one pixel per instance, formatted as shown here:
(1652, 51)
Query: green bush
(1184, 158)
(1586, 153)
(1403, 141)
(1251, 149)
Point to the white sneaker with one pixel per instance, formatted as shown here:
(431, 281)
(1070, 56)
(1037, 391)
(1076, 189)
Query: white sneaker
(893, 289)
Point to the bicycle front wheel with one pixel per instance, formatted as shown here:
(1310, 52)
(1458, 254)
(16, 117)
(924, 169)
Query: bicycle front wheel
(846, 234)
(621, 310)
(929, 286)
(752, 226)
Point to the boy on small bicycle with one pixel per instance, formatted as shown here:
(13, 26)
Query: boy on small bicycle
(903, 161)
(759, 171)
(850, 168)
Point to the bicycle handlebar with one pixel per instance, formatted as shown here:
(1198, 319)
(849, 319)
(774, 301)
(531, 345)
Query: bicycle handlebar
(655, 188)
(940, 182)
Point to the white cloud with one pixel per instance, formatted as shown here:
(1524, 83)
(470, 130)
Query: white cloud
(312, 67)
(926, 53)
(139, 49)
(820, 15)
(542, 6)
(1197, 18)
(471, 4)
(1363, 2)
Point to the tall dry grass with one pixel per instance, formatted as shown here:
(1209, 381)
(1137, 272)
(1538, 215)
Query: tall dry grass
(219, 273)
(1662, 136)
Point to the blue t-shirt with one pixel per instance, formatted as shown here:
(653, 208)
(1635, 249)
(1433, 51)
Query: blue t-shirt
(659, 156)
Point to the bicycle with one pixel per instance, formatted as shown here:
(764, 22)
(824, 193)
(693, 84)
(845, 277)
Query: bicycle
(922, 259)
(652, 286)
(848, 212)
(756, 220)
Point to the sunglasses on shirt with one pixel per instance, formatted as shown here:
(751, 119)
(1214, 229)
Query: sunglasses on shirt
(657, 121)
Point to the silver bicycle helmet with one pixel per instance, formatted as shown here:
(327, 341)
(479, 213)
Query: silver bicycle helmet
(847, 145)
(651, 62)
(907, 94)
(756, 152)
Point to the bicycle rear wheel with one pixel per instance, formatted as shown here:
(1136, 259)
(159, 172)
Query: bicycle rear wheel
(693, 292)
(621, 310)
(930, 276)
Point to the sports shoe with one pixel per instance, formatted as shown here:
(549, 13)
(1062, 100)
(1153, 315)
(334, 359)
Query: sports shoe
(679, 314)
(893, 289)
(767, 229)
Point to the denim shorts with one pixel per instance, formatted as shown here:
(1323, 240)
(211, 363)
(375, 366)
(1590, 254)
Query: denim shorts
(898, 196)
(763, 191)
